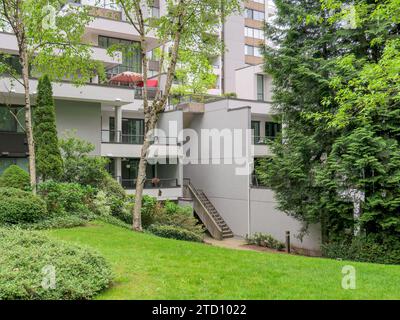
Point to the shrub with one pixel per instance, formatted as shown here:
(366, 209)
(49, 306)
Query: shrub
(115, 195)
(265, 240)
(115, 221)
(17, 206)
(15, 177)
(25, 255)
(67, 198)
(57, 222)
(79, 165)
(174, 232)
(365, 249)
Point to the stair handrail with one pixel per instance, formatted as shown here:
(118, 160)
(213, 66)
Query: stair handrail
(195, 192)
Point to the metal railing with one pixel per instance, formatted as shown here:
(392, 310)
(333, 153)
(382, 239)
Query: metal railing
(114, 136)
(118, 137)
(263, 140)
(154, 183)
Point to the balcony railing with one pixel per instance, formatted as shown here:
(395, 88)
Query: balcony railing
(258, 140)
(114, 136)
(154, 183)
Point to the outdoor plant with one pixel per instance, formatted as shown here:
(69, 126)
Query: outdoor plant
(265, 240)
(15, 177)
(67, 198)
(174, 232)
(73, 272)
(17, 206)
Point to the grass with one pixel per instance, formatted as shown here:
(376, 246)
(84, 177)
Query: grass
(148, 267)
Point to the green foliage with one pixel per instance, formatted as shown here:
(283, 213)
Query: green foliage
(79, 166)
(46, 32)
(18, 206)
(56, 222)
(67, 198)
(48, 157)
(79, 273)
(174, 232)
(337, 88)
(15, 177)
(365, 249)
(265, 240)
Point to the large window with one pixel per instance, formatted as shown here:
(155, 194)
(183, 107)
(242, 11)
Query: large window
(260, 87)
(255, 126)
(132, 130)
(254, 14)
(252, 51)
(12, 119)
(272, 129)
(254, 33)
(6, 162)
(131, 60)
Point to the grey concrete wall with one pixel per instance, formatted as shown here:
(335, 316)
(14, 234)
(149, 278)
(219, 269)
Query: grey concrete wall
(266, 218)
(226, 190)
(234, 55)
(171, 123)
(84, 117)
(229, 191)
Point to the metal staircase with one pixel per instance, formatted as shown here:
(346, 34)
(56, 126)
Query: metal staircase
(207, 213)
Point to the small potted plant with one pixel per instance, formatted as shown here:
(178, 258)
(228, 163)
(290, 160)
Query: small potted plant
(155, 182)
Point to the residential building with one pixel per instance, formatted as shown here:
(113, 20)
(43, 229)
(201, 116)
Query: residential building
(228, 199)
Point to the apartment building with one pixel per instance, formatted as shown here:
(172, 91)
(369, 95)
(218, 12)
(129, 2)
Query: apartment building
(227, 198)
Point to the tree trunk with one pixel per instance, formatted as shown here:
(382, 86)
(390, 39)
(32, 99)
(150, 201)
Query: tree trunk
(28, 117)
(141, 178)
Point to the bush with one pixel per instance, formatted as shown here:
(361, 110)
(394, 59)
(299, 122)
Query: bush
(265, 240)
(115, 195)
(174, 232)
(15, 177)
(365, 249)
(17, 206)
(58, 222)
(67, 198)
(79, 165)
(24, 257)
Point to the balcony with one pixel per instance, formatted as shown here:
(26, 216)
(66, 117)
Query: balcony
(162, 189)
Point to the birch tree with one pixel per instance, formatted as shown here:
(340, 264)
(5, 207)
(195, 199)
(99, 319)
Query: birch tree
(187, 25)
(48, 35)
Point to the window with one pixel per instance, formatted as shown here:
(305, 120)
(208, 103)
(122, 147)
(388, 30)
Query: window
(260, 87)
(155, 12)
(132, 130)
(252, 51)
(254, 14)
(106, 4)
(12, 119)
(255, 126)
(272, 129)
(259, 1)
(6, 162)
(254, 33)
(131, 60)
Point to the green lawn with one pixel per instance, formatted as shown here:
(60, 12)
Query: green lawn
(148, 267)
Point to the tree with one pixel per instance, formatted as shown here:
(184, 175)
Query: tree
(48, 157)
(336, 85)
(79, 166)
(187, 26)
(48, 34)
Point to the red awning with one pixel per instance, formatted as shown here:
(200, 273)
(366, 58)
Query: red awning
(127, 77)
(150, 83)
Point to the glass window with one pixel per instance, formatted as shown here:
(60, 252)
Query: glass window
(255, 126)
(12, 119)
(6, 162)
(155, 12)
(248, 50)
(131, 55)
(258, 15)
(272, 129)
(257, 52)
(260, 87)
